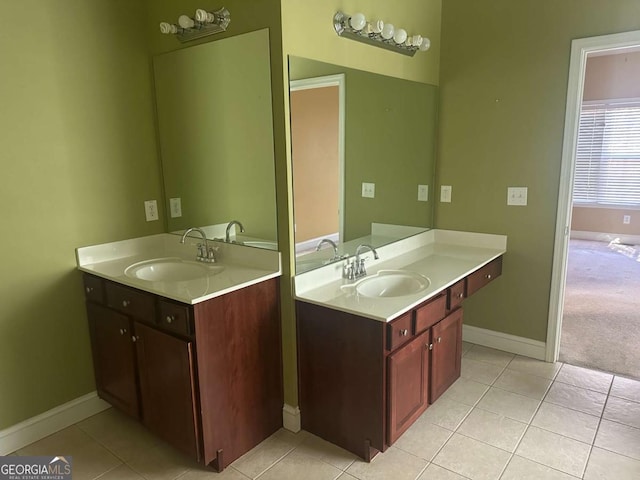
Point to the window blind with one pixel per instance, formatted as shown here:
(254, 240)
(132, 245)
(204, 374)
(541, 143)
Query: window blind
(607, 170)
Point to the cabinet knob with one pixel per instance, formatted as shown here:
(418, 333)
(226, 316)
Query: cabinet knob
(170, 318)
(488, 276)
(429, 346)
(460, 295)
(126, 303)
(404, 332)
(135, 338)
(88, 289)
(123, 331)
(439, 339)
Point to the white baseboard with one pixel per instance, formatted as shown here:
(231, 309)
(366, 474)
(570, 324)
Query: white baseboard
(606, 237)
(504, 341)
(291, 418)
(49, 422)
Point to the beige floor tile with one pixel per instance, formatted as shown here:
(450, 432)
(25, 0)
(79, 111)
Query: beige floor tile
(625, 388)
(555, 451)
(261, 457)
(605, 465)
(587, 401)
(346, 476)
(490, 355)
(297, 465)
(121, 472)
(435, 472)
(393, 463)
(292, 438)
(520, 468)
(508, 404)
(472, 458)
(523, 383)
(161, 463)
(446, 413)
(619, 438)
(585, 378)
(480, 371)
(534, 367)
(466, 346)
(564, 421)
(90, 459)
(228, 473)
(122, 435)
(327, 452)
(466, 391)
(622, 411)
(423, 439)
(496, 430)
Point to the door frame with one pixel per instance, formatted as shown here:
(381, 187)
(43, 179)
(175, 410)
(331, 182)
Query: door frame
(580, 48)
(330, 81)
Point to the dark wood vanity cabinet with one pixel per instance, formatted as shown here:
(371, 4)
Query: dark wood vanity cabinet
(206, 378)
(363, 382)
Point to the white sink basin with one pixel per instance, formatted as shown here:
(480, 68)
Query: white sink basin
(389, 283)
(171, 269)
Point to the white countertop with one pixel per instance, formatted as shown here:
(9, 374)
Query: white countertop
(243, 266)
(443, 256)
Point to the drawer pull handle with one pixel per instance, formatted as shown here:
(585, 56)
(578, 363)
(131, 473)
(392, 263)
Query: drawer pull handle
(404, 332)
(170, 318)
(439, 339)
(123, 331)
(126, 303)
(488, 276)
(88, 289)
(135, 338)
(460, 295)
(429, 346)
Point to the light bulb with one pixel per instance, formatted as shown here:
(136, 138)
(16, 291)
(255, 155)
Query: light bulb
(416, 40)
(400, 36)
(388, 31)
(167, 28)
(357, 21)
(376, 26)
(185, 22)
(203, 16)
(425, 45)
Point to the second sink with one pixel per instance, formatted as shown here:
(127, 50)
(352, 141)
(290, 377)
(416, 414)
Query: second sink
(390, 283)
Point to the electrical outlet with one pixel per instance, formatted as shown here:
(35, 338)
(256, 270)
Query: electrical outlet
(175, 205)
(423, 193)
(368, 190)
(151, 210)
(445, 193)
(517, 196)
(626, 219)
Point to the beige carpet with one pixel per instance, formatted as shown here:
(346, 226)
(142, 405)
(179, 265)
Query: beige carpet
(601, 320)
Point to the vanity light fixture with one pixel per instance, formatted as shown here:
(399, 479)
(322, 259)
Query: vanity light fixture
(376, 32)
(205, 23)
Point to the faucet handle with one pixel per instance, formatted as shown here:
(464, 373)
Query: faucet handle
(211, 254)
(362, 270)
(202, 252)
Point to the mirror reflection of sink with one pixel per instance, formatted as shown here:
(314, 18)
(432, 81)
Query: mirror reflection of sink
(389, 283)
(170, 269)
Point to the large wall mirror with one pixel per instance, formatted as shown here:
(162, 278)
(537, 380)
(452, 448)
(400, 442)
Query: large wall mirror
(349, 128)
(216, 138)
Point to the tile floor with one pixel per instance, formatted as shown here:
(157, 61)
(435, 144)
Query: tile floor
(507, 417)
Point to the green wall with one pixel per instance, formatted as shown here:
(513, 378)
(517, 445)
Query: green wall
(503, 81)
(78, 160)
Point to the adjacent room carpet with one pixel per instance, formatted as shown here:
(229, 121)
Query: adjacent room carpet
(601, 319)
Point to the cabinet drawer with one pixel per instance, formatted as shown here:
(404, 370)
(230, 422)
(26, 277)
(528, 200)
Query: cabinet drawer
(93, 288)
(431, 313)
(174, 317)
(455, 295)
(481, 277)
(399, 331)
(130, 302)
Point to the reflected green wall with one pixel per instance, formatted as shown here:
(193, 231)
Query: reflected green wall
(503, 81)
(78, 160)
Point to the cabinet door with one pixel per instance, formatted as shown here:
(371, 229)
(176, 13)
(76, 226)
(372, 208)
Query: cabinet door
(408, 377)
(113, 358)
(447, 353)
(165, 365)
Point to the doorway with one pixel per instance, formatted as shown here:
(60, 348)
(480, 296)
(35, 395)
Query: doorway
(582, 50)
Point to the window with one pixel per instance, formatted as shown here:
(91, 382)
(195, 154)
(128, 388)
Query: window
(607, 168)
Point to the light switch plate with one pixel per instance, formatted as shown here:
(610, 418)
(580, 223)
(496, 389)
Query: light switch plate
(423, 193)
(368, 190)
(151, 210)
(175, 205)
(445, 193)
(517, 196)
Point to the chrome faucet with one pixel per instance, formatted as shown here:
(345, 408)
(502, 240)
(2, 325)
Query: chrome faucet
(355, 268)
(205, 252)
(231, 224)
(333, 244)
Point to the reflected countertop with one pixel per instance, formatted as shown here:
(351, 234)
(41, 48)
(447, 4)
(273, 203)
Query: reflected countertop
(445, 257)
(242, 266)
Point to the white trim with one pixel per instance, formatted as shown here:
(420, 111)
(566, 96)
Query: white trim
(580, 48)
(327, 81)
(504, 341)
(51, 421)
(291, 418)
(606, 237)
